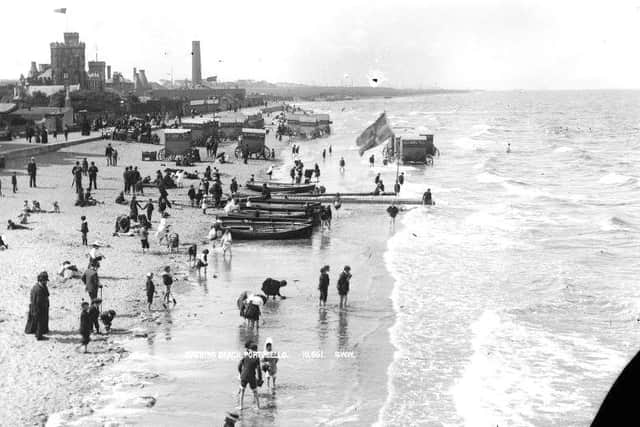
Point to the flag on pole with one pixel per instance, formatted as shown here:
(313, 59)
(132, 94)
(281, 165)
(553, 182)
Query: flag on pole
(375, 134)
(61, 10)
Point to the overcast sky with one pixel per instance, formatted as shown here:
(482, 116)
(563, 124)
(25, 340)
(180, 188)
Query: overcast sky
(483, 44)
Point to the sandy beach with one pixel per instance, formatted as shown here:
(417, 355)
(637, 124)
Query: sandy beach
(333, 370)
(53, 376)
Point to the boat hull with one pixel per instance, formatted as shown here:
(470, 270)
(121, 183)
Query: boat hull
(281, 187)
(267, 232)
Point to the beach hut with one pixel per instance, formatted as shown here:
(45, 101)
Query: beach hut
(201, 128)
(411, 148)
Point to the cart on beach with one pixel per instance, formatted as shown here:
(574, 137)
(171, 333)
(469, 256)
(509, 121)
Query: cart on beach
(178, 147)
(253, 141)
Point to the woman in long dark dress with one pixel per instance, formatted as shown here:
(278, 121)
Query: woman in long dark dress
(38, 320)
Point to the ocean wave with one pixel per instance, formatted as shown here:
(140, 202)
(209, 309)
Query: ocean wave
(480, 129)
(614, 178)
(615, 223)
(563, 150)
(489, 178)
(517, 371)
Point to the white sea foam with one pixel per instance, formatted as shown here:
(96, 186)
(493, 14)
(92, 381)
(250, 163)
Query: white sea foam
(480, 130)
(614, 178)
(489, 178)
(563, 150)
(516, 371)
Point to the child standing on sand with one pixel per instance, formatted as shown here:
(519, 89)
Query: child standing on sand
(144, 238)
(85, 325)
(84, 229)
(151, 290)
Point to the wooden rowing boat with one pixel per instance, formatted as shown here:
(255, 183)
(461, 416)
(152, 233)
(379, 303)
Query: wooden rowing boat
(263, 213)
(280, 187)
(269, 231)
(230, 219)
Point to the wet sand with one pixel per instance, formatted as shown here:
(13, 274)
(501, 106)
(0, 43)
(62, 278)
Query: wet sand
(335, 369)
(52, 376)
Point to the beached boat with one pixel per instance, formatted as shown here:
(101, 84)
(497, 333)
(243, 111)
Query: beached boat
(280, 187)
(231, 219)
(261, 224)
(272, 231)
(264, 213)
(295, 207)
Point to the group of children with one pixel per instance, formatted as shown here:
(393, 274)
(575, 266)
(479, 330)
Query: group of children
(89, 320)
(251, 367)
(167, 280)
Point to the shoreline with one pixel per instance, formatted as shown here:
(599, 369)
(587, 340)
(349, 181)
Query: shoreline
(363, 328)
(60, 386)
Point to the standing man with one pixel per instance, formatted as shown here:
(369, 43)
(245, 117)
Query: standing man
(77, 177)
(91, 281)
(14, 182)
(38, 321)
(31, 169)
(426, 197)
(66, 133)
(108, 153)
(343, 285)
(148, 208)
(93, 175)
(85, 166)
(342, 164)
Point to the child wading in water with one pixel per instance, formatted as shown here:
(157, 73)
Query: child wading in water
(85, 325)
(226, 243)
(248, 367)
(270, 364)
(167, 279)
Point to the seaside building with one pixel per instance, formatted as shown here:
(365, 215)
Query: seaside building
(118, 83)
(196, 66)
(40, 75)
(97, 77)
(68, 61)
(227, 97)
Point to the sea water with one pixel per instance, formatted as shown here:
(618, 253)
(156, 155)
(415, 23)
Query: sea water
(516, 295)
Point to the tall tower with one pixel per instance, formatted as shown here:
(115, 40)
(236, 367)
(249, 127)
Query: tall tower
(196, 69)
(68, 61)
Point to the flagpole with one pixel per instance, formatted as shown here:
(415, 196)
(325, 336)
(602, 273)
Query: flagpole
(397, 167)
